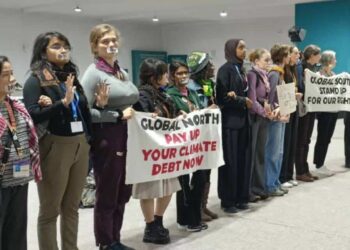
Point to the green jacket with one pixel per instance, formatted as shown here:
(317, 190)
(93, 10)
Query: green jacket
(180, 100)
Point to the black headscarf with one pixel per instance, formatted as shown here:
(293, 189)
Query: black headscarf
(230, 51)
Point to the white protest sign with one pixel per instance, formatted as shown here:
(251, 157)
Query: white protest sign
(286, 98)
(160, 148)
(327, 94)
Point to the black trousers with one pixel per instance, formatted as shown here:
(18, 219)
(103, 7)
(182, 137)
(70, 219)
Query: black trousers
(305, 128)
(290, 146)
(347, 138)
(13, 218)
(234, 176)
(189, 198)
(325, 129)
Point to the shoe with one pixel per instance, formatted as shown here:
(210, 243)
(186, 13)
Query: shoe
(284, 190)
(204, 216)
(211, 214)
(277, 192)
(312, 176)
(120, 246)
(254, 198)
(204, 226)
(304, 177)
(293, 182)
(324, 171)
(230, 210)
(158, 220)
(194, 229)
(155, 234)
(181, 227)
(242, 206)
(287, 185)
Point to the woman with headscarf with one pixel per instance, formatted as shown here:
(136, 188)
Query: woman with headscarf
(231, 93)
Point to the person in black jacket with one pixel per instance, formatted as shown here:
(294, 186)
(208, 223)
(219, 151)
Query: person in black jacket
(231, 93)
(54, 98)
(155, 196)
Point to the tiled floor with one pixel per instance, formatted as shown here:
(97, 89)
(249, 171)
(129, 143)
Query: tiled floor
(311, 216)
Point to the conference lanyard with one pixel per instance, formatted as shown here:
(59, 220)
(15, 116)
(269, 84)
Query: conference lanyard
(74, 104)
(13, 128)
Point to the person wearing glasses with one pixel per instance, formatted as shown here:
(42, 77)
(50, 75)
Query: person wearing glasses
(189, 199)
(55, 100)
(231, 94)
(111, 96)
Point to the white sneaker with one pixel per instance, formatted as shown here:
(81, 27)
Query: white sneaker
(181, 227)
(324, 171)
(293, 182)
(287, 185)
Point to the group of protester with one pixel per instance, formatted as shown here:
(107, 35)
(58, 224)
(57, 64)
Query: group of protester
(65, 123)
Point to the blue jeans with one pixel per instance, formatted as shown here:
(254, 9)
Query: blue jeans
(274, 154)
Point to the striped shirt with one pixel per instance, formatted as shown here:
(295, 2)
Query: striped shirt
(23, 138)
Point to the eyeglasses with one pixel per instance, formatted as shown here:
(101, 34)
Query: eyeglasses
(59, 47)
(182, 73)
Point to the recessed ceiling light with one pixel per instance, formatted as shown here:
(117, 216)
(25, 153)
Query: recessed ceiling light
(155, 19)
(78, 9)
(223, 14)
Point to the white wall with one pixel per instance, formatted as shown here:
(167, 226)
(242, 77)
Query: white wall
(211, 37)
(18, 31)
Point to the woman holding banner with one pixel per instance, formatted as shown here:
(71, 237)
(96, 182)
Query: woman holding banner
(202, 72)
(312, 55)
(155, 196)
(110, 107)
(231, 94)
(275, 128)
(188, 200)
(326, 120)
(259, 88)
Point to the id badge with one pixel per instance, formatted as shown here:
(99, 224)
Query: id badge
(76, 127)
(21, 169)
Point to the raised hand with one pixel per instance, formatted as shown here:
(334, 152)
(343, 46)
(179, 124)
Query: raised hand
(102, 94)
(70, 89)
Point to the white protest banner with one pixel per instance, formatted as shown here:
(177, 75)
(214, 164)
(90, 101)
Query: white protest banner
(286, 98)
(160, 148)
(327, 94)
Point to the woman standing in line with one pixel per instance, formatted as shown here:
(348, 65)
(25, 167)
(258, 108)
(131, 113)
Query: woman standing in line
(290, 135)
(312, 56)
(326, 120)
(259, 88)
(53, 95)
(110, 107)
(275, 128)
(231, 94)
(19, 163)
(155, 196)
(188, 200)
(202, 72)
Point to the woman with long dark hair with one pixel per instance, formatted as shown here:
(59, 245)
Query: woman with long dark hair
(155, 196)
(55, 100)
(19, 163)
(188, 200)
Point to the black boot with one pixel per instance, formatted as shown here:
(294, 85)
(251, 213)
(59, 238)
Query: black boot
(155, 234)
(158, 220)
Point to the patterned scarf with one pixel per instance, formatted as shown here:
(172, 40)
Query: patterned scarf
(33, 139)
(102, 65)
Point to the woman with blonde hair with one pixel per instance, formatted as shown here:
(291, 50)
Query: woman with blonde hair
(111, 95)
